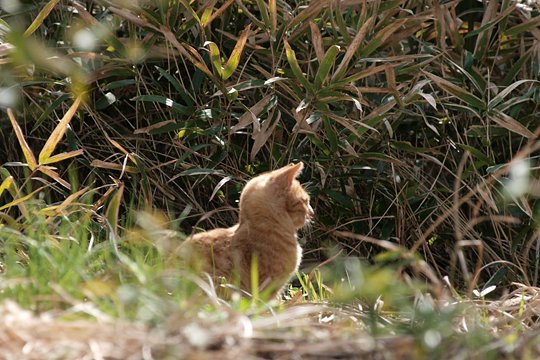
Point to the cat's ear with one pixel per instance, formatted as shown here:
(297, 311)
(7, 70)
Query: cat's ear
(287, 174)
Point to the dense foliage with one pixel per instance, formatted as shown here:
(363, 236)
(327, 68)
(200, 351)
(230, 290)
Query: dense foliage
(417, 122)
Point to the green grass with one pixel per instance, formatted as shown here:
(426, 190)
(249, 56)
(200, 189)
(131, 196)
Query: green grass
(123, 127)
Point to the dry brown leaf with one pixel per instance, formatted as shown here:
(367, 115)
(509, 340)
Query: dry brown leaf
(53, 174)
(316, 40)
(251, 115)
(511, 124)
(353, 47)
(148, 129)
(262, 135)
(113, 166)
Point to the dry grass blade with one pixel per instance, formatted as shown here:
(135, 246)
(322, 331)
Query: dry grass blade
(28, 154)
(58, 133)
(123, 150)
(383, 109)
(132, 17)
(148, 129)
(485, 36)
(353, 47)
(197, 61)
(113, 210)
(348, 124)
(41, 17)
(58, 209)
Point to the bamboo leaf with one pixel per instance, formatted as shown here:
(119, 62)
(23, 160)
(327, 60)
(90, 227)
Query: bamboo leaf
(53, 174)
(263, 11)
(311, 10)
(250, 15)
(57, 209)
(20, 200)
(184, 110)
(63, 156)
(326, 65)
(353, 47)
(316, 40)
(6, 184)
(13, 189)
(261, 136)
(208, 16)
(525, 26)
(28, 154)
(58, 132)
(272, 10)
(41, 17)
(251, 114)
(114, 166)
(191, 55)
(113, 209)
(291, 58)
(500, 96)
(381, 37)
(457, 91)
(511, 124)
(234, 59)
(215, 57)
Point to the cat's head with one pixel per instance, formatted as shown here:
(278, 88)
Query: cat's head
(277, 193)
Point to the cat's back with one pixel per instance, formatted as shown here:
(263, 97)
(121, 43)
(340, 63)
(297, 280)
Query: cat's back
(213, 248)
(216, 237)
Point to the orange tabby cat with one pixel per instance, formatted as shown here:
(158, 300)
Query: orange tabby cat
(273, 206)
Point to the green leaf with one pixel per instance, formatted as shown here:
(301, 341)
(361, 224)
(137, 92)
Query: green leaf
(291, 58)
(165, 101)
(533, 23)
(188, 98)
(331, 134)
(50, 108)
(500, 96)
(518, 66)
(326, 65)
(6, 184)
(476, 153)
(215, 57)
(406, 146)
(113, 209)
